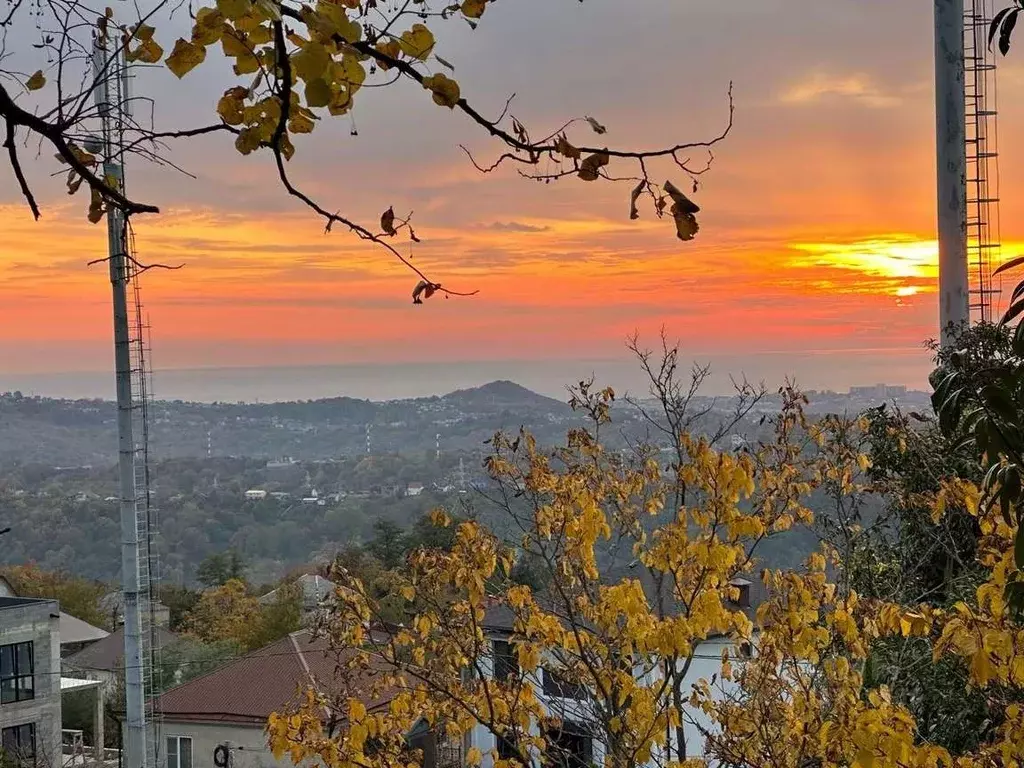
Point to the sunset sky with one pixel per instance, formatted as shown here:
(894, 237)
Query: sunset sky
(817, 231)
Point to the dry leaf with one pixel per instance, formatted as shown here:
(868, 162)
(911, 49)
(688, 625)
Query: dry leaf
(424, 290)
(598, 128)
(590, 167)
(686, 223)
(633, 197)
(387, 222)
(681, 201)
(563, 147)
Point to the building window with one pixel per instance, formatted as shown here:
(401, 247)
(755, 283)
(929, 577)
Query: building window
(568, 747)
(17, 673)
(556, 685)
(179, 752)
(505, 664)
(18, 745)
(507, 748)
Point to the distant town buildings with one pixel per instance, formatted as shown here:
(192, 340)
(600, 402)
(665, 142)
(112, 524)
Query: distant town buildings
(879, 391)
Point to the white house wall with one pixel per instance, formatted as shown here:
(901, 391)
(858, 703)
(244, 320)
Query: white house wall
(706, 664)
(248, 744)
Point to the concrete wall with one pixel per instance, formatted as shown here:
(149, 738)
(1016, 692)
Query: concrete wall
(248, 744)
(38, 622)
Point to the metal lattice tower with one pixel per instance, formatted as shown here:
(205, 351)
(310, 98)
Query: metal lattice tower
(982, 155)
(139, 564)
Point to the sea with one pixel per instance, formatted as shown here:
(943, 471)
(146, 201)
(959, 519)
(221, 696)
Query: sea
(834, 370)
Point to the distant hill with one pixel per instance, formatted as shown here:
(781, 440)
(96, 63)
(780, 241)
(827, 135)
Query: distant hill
(504, 394)
(77, 432)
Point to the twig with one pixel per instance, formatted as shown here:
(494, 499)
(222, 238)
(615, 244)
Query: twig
(275, 145)
(19, 174)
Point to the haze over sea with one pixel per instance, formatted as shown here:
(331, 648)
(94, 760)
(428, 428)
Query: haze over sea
(814, 369)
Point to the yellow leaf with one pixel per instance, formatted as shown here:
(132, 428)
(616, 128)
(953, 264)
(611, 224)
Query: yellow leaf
(301, 123)
(246, 64)
(209, 26)
(143, 32)
(185, 57)
(247, 140)
(349, 71)
(37, 81)
(341, 103)
(149, 52)
(391, 49)
(417, 43)
(234, 9)
(474, 9)
(270, 9)
(311, 62)
(231, 105)
(474, 757)
(318, 93)
(356, 710)
(444, 89)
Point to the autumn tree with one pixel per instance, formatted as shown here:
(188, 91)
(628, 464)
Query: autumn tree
(225, 612)
(637, 584)
(297, 67)
(77, 596)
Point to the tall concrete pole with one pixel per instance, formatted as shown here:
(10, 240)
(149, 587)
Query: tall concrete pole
(108, 71)
(951, 166)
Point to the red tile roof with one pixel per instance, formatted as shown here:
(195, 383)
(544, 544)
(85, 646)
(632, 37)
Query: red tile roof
(248, 689)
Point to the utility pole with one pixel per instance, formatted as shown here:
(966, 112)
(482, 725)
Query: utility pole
(109, 69)
(951, 167)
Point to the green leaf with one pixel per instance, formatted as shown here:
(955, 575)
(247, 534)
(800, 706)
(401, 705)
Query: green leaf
(1012, 312)
(1011, 264)
(993, 29)
(1007, 30)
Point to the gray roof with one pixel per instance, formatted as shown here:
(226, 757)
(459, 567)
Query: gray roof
(107, 655)
(315, 589)
(74, 630)
(18, 602)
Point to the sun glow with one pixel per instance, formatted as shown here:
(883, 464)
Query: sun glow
(895, 257)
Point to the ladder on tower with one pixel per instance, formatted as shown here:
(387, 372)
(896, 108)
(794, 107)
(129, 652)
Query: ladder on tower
(146, 518)
(981, 141)
(115, 110)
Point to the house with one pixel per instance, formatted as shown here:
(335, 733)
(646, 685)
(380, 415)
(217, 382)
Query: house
(255, 494)
(577, 739)
(30, 681)
(230, 705)
(414, 489)
(315, 589)
(104, 659)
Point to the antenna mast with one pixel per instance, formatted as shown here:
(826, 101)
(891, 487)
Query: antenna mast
(951, 167)
(138, 562)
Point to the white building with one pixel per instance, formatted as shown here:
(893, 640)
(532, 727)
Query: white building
(255, 494)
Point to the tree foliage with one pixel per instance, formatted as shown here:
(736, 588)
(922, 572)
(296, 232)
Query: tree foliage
(77, 596)
(820, 688)
(220, 568)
